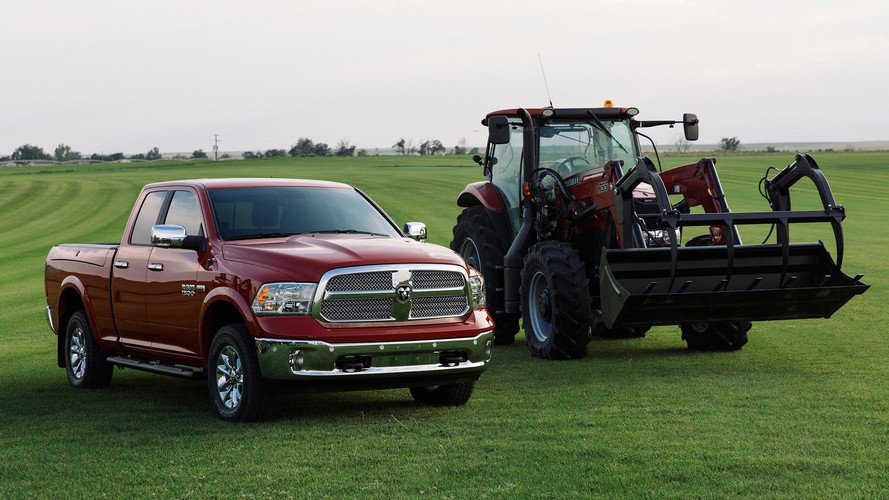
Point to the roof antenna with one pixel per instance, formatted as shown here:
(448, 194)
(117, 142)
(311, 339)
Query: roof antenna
(544, 80)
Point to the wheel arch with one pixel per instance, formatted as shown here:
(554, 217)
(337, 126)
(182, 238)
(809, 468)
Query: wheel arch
(481, 193)
(72, 298)
(223, 307)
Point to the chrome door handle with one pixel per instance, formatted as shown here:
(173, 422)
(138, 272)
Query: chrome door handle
(155, 267)
(121, 264)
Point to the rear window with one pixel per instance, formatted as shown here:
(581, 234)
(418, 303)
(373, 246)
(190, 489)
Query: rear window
(265, 212)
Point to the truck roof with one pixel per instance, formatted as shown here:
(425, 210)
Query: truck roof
(248, 182)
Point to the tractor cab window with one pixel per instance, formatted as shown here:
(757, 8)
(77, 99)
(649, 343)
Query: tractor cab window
(506, 173)
(572, 147)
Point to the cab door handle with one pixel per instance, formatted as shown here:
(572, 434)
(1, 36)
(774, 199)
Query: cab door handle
(121, 264)
(155, 267)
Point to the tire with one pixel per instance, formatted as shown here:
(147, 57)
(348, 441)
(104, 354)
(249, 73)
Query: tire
(237, 388)
(719, 336)
(555, 301)
(444, 395)
(84, 361)
(476, 240)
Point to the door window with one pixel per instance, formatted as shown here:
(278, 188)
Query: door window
(147, 218)
(184, 211)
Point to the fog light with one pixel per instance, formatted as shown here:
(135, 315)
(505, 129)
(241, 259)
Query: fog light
(296, 360)
(489, 349)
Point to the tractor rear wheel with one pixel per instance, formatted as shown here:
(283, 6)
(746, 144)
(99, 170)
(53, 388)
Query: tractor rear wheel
(718, 336)
(555, 301)
(476, 240)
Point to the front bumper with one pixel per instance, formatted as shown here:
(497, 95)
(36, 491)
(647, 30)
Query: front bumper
(318, 361)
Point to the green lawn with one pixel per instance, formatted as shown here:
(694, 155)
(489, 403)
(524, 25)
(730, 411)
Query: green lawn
(802, 410)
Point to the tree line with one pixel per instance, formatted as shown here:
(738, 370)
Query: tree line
(303, 147)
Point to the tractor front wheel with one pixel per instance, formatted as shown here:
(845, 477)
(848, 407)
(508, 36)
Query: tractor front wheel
(555, 302)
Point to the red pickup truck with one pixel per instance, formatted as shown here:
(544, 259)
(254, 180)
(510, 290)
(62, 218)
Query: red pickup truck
(268, 284)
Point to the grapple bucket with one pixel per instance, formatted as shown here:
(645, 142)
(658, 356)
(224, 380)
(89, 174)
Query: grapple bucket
(646, 286)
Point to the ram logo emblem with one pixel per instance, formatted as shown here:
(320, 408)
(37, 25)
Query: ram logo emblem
(403, 293)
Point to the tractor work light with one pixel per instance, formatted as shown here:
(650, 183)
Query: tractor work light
(608, 103)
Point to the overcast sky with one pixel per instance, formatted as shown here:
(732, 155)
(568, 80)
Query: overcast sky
(109, 76)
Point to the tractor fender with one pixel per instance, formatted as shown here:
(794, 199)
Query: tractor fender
(481, 193)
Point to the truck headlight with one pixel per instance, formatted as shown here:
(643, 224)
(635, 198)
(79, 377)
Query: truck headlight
(477, 284)
(284, 298)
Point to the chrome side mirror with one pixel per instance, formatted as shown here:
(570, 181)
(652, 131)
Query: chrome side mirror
(167, 236)
(173, 236)
(415, 230)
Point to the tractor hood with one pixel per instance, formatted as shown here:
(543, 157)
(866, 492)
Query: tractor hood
(307, 257)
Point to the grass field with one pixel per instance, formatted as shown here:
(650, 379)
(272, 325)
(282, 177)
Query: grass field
(801, 411)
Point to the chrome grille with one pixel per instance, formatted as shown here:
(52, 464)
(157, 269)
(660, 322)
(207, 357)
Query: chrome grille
(437, 307)
(361, 282)
(432, 279)
(366, 294)
(357, 309)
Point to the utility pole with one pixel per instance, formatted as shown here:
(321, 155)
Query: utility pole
(215, 147)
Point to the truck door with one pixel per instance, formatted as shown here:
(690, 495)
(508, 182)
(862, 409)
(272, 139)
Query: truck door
(174, 302)
(129, 273)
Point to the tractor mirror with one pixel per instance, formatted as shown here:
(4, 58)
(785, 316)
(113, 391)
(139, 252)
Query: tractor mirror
(690, 125)
(498, 130)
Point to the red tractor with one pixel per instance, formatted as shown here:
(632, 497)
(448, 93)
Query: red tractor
(578, 234)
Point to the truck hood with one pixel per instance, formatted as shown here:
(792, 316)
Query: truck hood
(307, 257)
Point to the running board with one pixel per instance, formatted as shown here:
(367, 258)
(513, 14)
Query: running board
(156, 367)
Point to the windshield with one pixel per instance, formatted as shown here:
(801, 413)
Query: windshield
(269, 212)
(572, 147)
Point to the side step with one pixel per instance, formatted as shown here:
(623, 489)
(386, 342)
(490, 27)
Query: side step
(156, 367)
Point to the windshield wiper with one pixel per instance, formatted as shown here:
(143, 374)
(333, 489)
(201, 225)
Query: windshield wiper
(260, 235)
(349, 231)
(607, 132)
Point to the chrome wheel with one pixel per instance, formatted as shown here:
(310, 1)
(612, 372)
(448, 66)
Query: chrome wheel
(77, 353)
(469, 252)
(540, 306)
(229, 377)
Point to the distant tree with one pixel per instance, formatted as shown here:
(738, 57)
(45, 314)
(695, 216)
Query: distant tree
(401, 146)
(431, 147)
(138, 156)
(5, 158)
(111, 157)
(361, 152)
(64, 153)
(473, 151)
(275, 153)
(729, 144)
(344, 149)
(154, 154)
(225, 156)
(303, 147)
(681, 143)
(198, 154)
(322, 149)
(460, 148)
(29, 152)
(249, 155)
